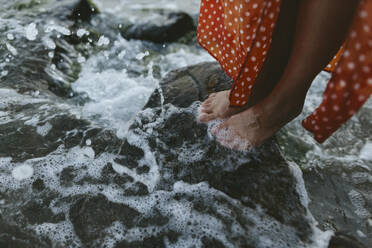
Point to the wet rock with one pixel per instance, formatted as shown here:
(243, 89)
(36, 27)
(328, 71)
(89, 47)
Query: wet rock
(33, 71)
(103, 141)
(261, 177)
(143, 170)
(22, 142)
(157, 219)
(184, 151)
(90, 215)
(127, 162)
(130, 155)
(36, 212)
(167, 28)
(84, 10)
(184, 86)
(150, 242)
(13, 236)
(38, 185)
(67, 176)
(343, 240)
(133, 151)
(136, 189)
(337, 212)
(212, 243)
(109, 175)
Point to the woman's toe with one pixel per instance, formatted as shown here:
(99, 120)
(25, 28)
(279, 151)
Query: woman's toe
(207, 103)
(206, 117)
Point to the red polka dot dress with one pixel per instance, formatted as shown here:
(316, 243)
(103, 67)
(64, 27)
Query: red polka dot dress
(238, 34)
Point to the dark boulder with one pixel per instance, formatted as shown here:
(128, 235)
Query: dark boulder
(184, 86)
(90, 215)
(168, 28)
(343, 240)
(13, 236)
(261, 176)
(37, 212)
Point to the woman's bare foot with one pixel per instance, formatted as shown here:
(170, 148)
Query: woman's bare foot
(217, 106)
(255, 125)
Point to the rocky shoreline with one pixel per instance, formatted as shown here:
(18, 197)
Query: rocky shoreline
(167, 159)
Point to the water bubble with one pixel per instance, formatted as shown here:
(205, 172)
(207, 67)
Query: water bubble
(49, 43)
(140, 56)
(81, 58)
(103, 41)
(10, 37)
(60, 29)
(31, 31)
(81, 32)
(122, 54)
(11, 49)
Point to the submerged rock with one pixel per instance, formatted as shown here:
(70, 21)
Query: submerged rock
(164, 29)
(90, 215)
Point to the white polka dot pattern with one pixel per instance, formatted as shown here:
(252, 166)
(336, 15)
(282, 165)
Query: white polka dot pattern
(350, 85)
(238, 34)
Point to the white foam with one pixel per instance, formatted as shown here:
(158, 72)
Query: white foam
(51, 26)
(140, 56)
(11, 49)
(366, 152)
(81, 58)
(122, 54)
(4, 73)
(359, 203)
(103, 41)
(22, 172)
(81, 32)
(44, 130)
(116, 97)
(31, 31)
(49, 43)
(60, 233)
(227, 136)
(10, 36)
(88, 142)
(361, 234)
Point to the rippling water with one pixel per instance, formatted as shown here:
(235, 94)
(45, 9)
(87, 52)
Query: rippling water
(118, 78)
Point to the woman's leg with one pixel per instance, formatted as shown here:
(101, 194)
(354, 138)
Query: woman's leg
(321, 29)
(217, 105)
